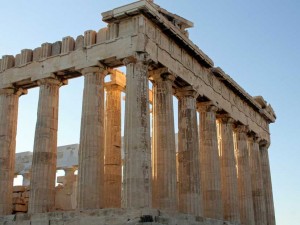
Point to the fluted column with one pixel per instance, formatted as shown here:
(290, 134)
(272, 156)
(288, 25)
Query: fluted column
(209, 161)
(189, 193)
(266, 174)
(258, 196)
(9, 101)
(91, 148)
(228, 169)
(243, 175)
(164, 152)
(43, 170)
(112, 151)
(137, 191)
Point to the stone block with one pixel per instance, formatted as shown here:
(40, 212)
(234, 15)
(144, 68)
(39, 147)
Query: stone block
(37, 53)
(46, 50)
(102, 35)
(19, 200)
(89, 38)
(79, 42)
(26, 56)
(68, 44)
(56, 48)
(25, 194)
(20, 208)
(18, 60)
(8, 61)
(16, 194)
(19, 188)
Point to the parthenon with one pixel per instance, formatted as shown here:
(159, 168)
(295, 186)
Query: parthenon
(216, 172)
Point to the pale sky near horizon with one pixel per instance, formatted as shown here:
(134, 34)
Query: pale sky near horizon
(256, 42)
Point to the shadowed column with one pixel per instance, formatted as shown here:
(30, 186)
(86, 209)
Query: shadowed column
(9, 101)
(164, 151)
(189, 193)
(258, 197)
(43, 170)
(91, 149)
(209, 162)
(228, 169)
(243, 175)
(266, 174)
(112, 151)
(137, 191)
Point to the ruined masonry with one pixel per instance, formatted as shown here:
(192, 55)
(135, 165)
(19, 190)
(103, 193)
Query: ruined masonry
(217, 173)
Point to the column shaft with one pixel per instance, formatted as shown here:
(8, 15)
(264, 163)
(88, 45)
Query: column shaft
(257, 183)
(137, 168)
(43, 170)
(164, 151)
(266, 174)
(112, 151)
(244, 176)
(9, 101)
(209, 161)
(189, 193)
(91, 149)
(228, 170)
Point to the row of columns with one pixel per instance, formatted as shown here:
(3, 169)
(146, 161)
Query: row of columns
(213, 178)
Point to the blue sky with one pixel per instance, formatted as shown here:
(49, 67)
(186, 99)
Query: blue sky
(256, 42)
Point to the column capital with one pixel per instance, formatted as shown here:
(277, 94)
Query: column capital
(138, 58)
(241, 128)
(162, 74)
(95, 69)
(13, 91)
(52, 81)
(113, 87)
(188, 91)
(206, 107)
(225, 118)
(264, 144)
(252, 137)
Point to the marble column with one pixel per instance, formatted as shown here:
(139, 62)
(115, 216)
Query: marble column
(164, 152)
(43, 170)
(9, 101)
(189, 191)
(228, 169)
(266, 174)
(243, 175)
(210, 163)
(137, 191)
(112, 150)
(91, 148)
(258, 196)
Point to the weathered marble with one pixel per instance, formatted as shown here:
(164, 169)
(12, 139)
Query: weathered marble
(43, 170)
(9, 101)
(243, 175)
(266, 174)
(257, 183)
(112, 150)
(189, 193)
(164, 152)
(91, 148)
(209, 162)
(228, 169)
(137, 191)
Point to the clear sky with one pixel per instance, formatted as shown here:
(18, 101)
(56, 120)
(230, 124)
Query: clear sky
(256, 42)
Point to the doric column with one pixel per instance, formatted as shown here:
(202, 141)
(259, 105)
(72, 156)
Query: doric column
(9, 101)
(91, 148)
(112, 150)
(228, 169)
(210, 163)
(43, 170)
(26, 178)
(266, 174)
(164, 151)
(189, 193)
(243, 175)
(258, 196)
(137, 168)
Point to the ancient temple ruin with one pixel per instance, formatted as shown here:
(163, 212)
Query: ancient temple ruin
(220, 173)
